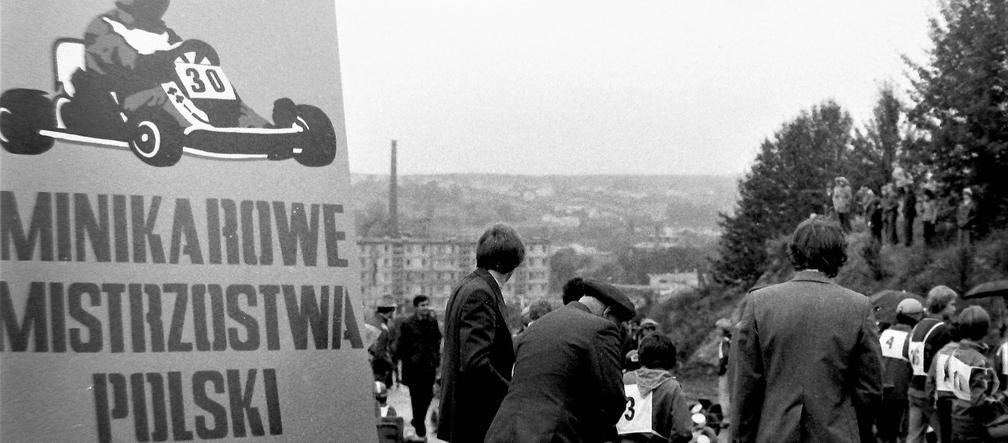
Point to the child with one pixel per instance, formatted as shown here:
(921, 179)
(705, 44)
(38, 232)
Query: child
(974, 383)
(653, 386)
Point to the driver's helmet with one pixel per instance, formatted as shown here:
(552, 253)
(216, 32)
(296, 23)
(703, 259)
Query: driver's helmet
(151, 10)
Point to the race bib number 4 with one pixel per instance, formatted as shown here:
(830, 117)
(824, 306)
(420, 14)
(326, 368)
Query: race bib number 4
(636, 418)
(205, 81)
(892, 343)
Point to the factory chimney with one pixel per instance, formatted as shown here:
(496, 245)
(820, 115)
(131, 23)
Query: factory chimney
(393, 197)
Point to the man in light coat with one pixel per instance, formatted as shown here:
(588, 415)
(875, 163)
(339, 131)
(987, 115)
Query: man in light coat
(806, 356)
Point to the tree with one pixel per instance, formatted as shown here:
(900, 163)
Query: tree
(961, 96)
(788, 182)
(881, 143)
(564, 265)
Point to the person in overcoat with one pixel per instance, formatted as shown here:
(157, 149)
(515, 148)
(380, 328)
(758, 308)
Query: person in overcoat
(478, 353)
(806, 355)
(567, 384)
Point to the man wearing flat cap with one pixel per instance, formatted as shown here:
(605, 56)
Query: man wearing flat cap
(567, 384)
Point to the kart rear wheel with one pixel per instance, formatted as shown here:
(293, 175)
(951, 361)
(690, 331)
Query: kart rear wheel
(319, 146)
(23, 113)
(155, 141)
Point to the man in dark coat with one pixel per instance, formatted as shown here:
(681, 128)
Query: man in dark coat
(380, 350)
(806, 357)
(478, 352)
(567, 384)
(418, 347)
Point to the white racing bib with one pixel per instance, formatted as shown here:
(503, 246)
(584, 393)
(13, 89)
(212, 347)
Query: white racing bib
(915, 351)
(959, 372)
(1003, 351)
(943, 375)
(892, 343)
(636, 418)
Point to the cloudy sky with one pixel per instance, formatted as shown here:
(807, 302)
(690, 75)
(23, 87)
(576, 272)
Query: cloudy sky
(610, 87)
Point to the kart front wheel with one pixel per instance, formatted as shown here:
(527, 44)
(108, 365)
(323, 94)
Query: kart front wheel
(23, 113)
(156, 141)
(319, 147)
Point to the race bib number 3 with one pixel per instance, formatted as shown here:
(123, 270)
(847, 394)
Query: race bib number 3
(892, 343)
(636, 418)
(205, 81)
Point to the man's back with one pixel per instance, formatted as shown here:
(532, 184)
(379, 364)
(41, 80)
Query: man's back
(478, 355)
(807, 354)
(567, 384)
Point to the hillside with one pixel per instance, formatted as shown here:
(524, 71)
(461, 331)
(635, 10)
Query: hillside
(600, 211)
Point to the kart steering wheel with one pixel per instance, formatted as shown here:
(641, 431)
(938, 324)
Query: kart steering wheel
(201, 50)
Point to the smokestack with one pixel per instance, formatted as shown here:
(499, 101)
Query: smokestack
(393, 196)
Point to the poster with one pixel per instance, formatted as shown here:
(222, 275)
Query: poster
(177, 253)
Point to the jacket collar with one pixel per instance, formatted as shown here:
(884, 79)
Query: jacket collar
(976, 346)
(808, 275)
(579, 306)
(485, 275)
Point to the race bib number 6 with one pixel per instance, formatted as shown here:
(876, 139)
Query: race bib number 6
(205, 81)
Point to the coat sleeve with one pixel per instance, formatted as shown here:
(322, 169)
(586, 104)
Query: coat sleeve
(749, 384)
(866, 374)
(477, 327)
(682, 424)
(608, 377)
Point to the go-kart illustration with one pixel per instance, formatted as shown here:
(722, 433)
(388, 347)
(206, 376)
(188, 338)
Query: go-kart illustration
(198, 113)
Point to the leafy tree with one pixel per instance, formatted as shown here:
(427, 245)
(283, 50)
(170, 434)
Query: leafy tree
(879, 145)
(961, 96)
(787, 183)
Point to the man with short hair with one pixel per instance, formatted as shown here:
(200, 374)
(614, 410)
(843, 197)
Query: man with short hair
(927, 337)
(478, 352)
(805, 356)
(654, 384)
(567, 382)
(418, 347)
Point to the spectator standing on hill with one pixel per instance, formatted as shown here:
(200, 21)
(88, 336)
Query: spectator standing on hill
(890, 213)
(927, 337)
(805, 357)
(929, 216)
(653, 387)
(873, 215)
(567, 384)
(478, 352)
(909, 209)
(418, 347)
(966, 218)
(842, 201)
(896, 372)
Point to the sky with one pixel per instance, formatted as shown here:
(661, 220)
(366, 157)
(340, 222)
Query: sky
(606, 87)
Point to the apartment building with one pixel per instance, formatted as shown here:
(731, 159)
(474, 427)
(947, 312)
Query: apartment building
(405, 267)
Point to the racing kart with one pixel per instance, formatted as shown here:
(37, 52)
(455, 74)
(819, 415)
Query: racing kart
(196, 111)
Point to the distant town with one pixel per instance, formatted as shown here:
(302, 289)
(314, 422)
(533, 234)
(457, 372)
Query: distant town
(650, 234)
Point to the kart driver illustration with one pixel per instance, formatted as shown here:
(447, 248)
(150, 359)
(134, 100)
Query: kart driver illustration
(129, 54)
